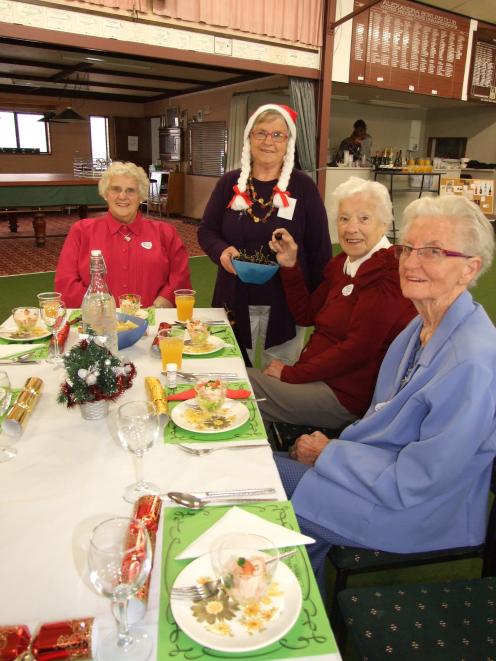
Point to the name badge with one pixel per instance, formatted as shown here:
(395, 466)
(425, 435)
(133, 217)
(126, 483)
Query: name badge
(346, 291)
(380, 405)
(287, 212)
(147, 245)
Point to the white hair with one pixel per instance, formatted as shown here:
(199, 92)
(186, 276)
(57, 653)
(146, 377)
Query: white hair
(373, 189)
(124, 169)
(471, 229)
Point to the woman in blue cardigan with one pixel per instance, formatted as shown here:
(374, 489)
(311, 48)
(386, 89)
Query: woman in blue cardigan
(413, 474)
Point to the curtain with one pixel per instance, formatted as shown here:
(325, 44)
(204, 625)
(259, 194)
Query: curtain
(294, 20)
(238, 116)
(302, 95)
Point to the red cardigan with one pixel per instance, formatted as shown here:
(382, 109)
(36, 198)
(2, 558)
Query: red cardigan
(352, 330)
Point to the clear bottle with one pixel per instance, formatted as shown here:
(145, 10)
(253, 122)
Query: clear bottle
(98, 307)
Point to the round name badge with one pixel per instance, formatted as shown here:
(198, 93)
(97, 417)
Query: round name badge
(346, 291)
(147, 245)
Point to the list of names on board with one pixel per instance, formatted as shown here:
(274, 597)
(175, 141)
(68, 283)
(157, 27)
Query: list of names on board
(405, 46)
(483, 81)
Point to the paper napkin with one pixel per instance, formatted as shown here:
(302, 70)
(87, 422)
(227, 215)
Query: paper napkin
(231, 394)
(239, 520)
(15, 349)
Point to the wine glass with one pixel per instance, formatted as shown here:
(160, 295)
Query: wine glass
(53, 312)
(120, 559)
(6, 452)
(137, 426)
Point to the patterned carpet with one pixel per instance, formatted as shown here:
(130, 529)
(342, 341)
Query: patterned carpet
(19, 254)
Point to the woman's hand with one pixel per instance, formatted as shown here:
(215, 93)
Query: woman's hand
(161, 302)
(226, 259)
(307, 448)
(274, 368)
(284, 246)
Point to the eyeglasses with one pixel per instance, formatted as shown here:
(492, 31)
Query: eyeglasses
(277, 136)
(128, 192)
(427, 253)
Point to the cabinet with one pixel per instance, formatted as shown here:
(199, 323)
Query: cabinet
(169, 141)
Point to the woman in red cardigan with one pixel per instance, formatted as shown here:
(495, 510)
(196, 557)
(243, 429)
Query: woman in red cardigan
(357, 312)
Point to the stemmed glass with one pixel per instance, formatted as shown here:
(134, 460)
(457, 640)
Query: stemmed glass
(53, 311)
(6, 452)
(120, 559)
(137, 426)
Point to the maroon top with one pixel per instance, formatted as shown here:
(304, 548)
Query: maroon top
(222, 227)
(353, 329)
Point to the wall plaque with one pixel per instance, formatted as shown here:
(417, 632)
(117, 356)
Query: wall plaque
(406, 46)
(483, 71)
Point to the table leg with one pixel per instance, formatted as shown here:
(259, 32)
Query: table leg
(12, 218)
(39, 227)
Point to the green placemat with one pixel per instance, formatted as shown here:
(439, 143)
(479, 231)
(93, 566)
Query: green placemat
(310, 635)
(39, 353)
(226, 334)
(252, 430)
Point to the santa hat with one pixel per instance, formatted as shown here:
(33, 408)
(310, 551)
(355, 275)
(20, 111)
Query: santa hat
(241, 200)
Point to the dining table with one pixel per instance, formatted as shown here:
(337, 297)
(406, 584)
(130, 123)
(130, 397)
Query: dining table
(70, 473)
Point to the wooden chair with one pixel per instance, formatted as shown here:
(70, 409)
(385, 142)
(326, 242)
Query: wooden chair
(349, 561)
(427, 622)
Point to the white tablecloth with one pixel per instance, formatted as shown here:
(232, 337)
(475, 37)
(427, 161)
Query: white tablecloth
(70, 474)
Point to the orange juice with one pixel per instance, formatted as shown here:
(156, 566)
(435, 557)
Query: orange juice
(185, 302)
(171, 349)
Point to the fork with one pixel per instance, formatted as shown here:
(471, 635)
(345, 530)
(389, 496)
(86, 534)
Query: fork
(201, 451)
(196, 407)
(22, 358)
(210, 588)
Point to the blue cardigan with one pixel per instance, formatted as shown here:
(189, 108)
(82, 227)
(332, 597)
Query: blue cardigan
(413, 475)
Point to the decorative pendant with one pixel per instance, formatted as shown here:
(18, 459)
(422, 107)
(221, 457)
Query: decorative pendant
(347, 289)
(127, 237)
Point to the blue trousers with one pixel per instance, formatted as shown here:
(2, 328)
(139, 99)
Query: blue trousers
(291, 472)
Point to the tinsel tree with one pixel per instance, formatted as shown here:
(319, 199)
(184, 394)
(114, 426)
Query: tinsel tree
(93, 373)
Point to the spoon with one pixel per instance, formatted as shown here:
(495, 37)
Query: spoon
(195, 503)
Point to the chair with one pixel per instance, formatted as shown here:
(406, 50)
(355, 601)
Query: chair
(349, 561)
(155, 199)
(427, 622)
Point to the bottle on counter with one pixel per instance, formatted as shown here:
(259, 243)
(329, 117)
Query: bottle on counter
(398, 161)
(98, 308)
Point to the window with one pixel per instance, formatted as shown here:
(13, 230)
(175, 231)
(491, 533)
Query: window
(99, 138)
(23, 133)
(208, 148)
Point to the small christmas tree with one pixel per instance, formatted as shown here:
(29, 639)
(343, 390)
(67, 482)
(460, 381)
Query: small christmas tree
(93, 374)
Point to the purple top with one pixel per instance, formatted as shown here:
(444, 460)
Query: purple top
(222, 227)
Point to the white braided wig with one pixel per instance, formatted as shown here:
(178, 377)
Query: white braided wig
(239, 201)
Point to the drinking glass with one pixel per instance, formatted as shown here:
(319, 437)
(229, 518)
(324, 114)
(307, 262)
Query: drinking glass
(185, 302)
(171, 344)
(137, 426)
(6, 452)
(120, 558)
(53, 311)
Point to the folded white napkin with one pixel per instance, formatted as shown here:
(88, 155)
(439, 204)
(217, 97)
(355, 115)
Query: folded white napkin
(15, 348)
(238, 520)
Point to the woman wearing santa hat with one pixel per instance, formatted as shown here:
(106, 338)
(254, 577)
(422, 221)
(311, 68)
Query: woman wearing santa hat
(246, 206)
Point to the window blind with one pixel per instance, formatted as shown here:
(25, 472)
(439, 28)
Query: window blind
(208, 148)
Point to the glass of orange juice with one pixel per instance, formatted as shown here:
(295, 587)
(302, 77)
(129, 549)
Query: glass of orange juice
(185, 302)
(171, 343)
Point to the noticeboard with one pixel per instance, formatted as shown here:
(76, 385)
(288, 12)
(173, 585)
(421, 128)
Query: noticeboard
(406, 46)
(480, 191)
(483, 70)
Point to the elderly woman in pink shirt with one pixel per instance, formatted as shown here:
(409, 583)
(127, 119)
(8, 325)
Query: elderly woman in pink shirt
(143, 256)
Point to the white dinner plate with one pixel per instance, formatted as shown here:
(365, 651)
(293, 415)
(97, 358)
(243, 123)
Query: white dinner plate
(190, 420)
(10, 333)
(213, 344)
(232, 635)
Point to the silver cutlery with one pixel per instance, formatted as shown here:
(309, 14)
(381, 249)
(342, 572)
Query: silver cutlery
(20, 362)
(19, 358)
(209, 322)
(194, 502)
(193, 405)
(201, 451)
(204, 590)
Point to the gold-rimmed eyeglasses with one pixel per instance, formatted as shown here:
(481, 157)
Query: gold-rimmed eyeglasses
(427, 253)
(277, 136)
